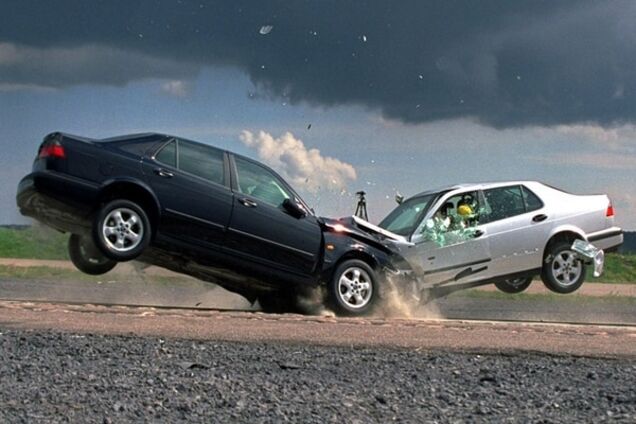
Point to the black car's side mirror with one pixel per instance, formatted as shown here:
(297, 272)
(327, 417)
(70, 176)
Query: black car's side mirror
(294, 209)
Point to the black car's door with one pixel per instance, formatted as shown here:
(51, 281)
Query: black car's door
(262, 231)
(190, 182)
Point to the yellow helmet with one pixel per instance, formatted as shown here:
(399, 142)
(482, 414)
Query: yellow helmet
(464, 210)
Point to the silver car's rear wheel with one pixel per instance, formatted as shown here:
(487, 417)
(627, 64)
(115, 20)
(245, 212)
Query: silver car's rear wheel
(563, 271)
(566, 268)
(353, 288)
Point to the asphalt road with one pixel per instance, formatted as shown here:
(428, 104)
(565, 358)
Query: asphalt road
(134, 290)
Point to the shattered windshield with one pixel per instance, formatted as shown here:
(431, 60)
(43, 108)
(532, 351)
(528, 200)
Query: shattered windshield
(403, 219)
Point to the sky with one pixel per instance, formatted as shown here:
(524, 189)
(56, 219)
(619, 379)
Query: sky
(338, 96)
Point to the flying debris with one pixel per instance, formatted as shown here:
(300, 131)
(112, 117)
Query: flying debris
(364, 38)
(266, 29)
(309, 126)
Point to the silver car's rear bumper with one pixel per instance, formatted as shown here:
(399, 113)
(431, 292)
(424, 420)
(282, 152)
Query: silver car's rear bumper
(607, 239)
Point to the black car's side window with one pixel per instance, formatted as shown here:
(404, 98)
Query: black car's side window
(532, 200)
(260, 183)
(504, 202)
(168, 154)
(202, 161)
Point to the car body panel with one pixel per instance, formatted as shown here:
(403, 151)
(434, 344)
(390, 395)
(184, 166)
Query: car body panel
(267, 234)
(191, 208)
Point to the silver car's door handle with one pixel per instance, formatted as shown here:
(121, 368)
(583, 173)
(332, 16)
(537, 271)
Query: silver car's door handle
(163, 173)
(478, 233)
(539, 218)
(248, 203)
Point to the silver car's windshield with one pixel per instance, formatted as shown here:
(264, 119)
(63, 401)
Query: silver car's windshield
(403, 219)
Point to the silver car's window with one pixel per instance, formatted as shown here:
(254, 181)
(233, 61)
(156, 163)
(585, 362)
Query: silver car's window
(202, 161)
(532, 200)
(403, 219)
(260, 183)
(453, 221)
(503, 202)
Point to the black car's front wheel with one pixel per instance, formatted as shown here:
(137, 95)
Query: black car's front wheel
(515, 285)
(87, 257)
(121, 230)
(353, 288)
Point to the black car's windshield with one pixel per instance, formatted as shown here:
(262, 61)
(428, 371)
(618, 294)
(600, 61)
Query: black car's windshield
(405, 217)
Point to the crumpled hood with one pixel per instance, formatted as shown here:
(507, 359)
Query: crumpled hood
(359, 228)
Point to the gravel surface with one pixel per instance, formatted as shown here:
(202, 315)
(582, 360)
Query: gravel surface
(60, 377)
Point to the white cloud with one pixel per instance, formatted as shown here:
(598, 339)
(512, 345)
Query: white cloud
(591, 160)
(614, 138)
(306, 168)
(177, 88)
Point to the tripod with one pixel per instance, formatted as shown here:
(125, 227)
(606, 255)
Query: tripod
(361, 208)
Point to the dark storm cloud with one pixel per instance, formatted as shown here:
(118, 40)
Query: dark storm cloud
(504, 63)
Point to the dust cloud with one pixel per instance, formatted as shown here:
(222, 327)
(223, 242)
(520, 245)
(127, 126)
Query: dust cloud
(412, 303)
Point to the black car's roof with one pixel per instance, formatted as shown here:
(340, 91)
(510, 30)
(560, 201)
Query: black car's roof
(134, 136)
(169, 136)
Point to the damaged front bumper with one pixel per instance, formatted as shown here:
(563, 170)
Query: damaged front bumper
(590, 255)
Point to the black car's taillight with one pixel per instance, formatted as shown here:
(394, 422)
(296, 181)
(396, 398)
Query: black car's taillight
(52, 150)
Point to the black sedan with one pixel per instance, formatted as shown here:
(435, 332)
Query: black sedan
(203, 211)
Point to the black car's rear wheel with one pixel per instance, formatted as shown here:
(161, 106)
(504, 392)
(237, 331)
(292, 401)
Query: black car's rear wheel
(121, 230)
(87, 257)
(563, 272)
(515, 285)
(353, 290)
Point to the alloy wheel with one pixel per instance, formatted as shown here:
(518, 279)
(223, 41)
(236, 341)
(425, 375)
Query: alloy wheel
(355, 288)
(122, 229)
(566, 267)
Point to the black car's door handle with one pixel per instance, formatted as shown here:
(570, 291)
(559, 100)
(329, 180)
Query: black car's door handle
(539, 218)
(248, 203)
(478, 233)
(163, 173)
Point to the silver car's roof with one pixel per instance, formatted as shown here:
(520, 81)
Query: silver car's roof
(475, 186)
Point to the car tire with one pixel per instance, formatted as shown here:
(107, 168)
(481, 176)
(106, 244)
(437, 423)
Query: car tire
(121, 230)
(515, 285)
(87, 257)
(563, 272)
(353, 289)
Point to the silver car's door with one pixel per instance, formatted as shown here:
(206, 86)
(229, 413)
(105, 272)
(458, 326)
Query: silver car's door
(518, 226)
(450, 246)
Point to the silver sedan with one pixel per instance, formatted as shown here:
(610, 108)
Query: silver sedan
(504, 233)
